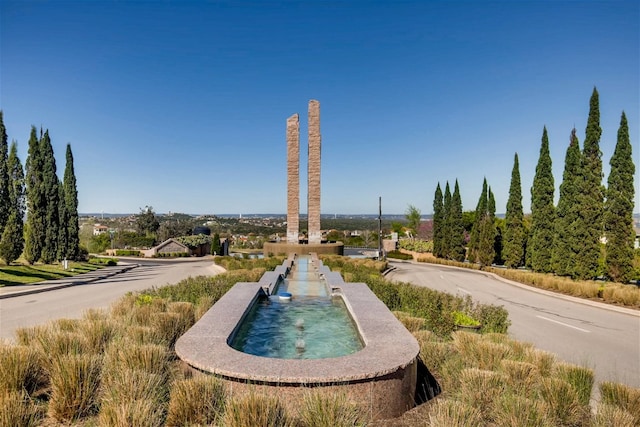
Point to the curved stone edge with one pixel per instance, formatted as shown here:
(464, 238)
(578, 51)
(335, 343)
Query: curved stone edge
(388, 345)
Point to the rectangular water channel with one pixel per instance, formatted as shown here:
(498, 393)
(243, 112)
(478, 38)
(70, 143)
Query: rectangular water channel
(313, 324)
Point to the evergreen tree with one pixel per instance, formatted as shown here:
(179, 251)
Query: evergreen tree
(12, 238)
(618, 214)
(35, 226)
(565, 243)
(63, 218)
(542, 211)
(456, 226)
(513, 247)
(216, 247)
(481, 209)
(446, 233)
(71, 224)
(591, 200)
(5, 202)
(487, 231)
(52, 196)
(438, 222)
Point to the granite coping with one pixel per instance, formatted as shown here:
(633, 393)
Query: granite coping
(388, 346)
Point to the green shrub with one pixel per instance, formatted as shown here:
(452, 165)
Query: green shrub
(399, 255)
(416, 245)
(128, 252)
(462, 319)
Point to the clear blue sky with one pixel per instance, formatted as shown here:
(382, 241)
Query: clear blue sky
(183, 105)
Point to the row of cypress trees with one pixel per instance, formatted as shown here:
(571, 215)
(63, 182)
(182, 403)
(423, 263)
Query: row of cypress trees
(51, 230)
(565, 239)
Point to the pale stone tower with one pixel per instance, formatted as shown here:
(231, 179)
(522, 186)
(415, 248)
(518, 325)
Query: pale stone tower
(293, 179)
(313, 201)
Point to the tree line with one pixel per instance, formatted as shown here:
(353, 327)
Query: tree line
(566, 239)
(38, 211)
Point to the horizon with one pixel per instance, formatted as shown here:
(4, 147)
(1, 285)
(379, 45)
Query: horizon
(182, 106)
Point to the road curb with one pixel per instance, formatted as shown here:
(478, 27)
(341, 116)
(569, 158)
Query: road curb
(595, 304)
(73, 281)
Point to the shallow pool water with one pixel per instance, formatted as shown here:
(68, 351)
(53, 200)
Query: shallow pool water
(312, 325)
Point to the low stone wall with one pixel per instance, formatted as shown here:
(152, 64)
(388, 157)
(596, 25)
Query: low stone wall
(278, 248)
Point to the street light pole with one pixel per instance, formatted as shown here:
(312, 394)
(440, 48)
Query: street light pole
(380, 228)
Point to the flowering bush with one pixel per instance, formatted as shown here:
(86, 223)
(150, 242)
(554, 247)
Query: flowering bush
(421, 246)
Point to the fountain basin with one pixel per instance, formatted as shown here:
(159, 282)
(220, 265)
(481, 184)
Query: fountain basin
(380, 378)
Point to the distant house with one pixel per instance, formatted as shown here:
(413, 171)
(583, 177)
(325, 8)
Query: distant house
(99, 229)
(170, 246)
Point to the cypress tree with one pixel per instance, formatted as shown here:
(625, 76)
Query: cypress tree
(542, 211)
(438, 222)
(35, 226)
(51, 196)
(457, 249)
(481, 208)
(216, 248)
(591, 199)
(63, 218)
(514, 221)
(487, 231)
(5, 202)
(446, 233)
(12, 239)
(619, 208)
(565, 243)
(71, 224)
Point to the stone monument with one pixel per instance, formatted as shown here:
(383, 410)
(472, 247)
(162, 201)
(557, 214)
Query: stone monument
(313, 168)
(293, 178)
(314, 243)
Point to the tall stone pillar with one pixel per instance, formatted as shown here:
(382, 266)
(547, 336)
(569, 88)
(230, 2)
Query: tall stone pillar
(313, 201)
(293, 179)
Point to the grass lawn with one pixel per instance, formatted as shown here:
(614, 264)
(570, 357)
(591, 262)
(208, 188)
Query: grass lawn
(20, 274)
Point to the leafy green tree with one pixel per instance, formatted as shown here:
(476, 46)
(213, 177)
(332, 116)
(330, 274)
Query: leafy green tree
(446, 207)
(591, 200)
(36, 202)
(5, 201)
(618, 214)
(52, 197)
(12, 238)
(70, 225)
(481, 209)
(413, 216)
(565, 243)
(513, 245)
(457, 249)
(542, 211)
(438, 222)
(146, 221)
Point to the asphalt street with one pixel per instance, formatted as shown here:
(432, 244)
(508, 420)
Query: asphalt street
(597, 335)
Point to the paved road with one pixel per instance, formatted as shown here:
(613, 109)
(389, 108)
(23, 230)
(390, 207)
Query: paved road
(605, 340)
(71, 302)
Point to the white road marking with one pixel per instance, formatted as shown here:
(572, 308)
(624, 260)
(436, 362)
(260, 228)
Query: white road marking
(563, 324)
(465, 291)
